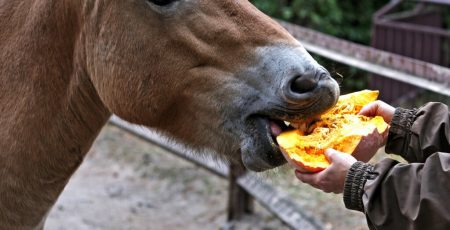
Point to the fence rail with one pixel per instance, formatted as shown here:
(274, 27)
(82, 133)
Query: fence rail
(418, 73)
(275, 201)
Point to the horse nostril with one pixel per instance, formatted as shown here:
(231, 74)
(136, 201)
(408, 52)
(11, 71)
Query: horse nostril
(305, 83)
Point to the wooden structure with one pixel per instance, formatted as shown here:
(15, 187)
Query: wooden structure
(416, 33)
(385, 64)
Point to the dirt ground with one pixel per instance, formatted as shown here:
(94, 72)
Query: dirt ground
(125, 183)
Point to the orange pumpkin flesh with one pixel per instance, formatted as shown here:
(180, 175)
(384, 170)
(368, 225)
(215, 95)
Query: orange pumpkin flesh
(339, 128)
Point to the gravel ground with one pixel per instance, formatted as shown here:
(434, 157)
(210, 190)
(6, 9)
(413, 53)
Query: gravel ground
(125, 183)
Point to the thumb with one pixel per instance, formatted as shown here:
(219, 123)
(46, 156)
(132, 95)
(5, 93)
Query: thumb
(334, 155)
(365, 111)
(369, 110)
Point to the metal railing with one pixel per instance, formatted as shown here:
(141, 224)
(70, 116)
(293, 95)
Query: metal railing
(393, 66)
(416, 33)
(243, 186)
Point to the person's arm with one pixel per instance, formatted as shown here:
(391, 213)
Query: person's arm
(407, 196)
(391, 194)
(401, 196)
(416, 134)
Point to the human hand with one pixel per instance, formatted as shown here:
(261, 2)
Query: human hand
(331, 179)
(370, 144)
(378, 108)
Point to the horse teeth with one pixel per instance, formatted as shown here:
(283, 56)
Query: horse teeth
(287, 123)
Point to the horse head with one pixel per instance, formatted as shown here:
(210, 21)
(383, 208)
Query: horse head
(214, 74)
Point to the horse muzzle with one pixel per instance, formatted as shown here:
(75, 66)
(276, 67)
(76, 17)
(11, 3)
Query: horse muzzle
(291, 87)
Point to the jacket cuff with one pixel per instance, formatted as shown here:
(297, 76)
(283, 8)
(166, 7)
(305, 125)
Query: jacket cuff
(400, 131)
(354, 185)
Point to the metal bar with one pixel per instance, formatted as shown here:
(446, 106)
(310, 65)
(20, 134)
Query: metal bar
(408, 70)
(386, 9)
(380, 70)
(279, 203)
(414, 27)
(282, 206)
(212, 166)
(240, 201)
(419, 11)
(443, 2)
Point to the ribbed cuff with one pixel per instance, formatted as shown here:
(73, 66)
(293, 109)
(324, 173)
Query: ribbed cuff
(354, 185)
(403, 119)
(400, 131)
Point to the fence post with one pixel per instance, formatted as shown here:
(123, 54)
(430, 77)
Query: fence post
(240, 202)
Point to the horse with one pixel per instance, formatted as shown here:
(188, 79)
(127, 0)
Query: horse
(211, 74)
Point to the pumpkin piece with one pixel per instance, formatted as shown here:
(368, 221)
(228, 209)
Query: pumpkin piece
(352, 103)
(340, 128)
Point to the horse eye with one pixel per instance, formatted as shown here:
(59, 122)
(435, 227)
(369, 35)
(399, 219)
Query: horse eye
(161, 2)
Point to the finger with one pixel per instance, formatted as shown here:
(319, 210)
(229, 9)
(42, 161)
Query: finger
(370, 109)
(309, 179)
(302, 170)
(339, 158)
(306, 177)
(332, 155)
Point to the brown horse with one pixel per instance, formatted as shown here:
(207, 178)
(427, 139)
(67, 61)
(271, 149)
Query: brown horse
(214, 74)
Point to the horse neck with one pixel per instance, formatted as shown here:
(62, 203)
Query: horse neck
(50, 113)
(47, 98)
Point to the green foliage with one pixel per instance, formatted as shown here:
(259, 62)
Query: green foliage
(350, 20)
(345, 19)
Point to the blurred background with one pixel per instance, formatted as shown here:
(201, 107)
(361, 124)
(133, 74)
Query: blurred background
(129, 183)
(356, 21)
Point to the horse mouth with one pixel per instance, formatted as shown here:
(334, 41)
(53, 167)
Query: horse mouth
(260, 150)
(264, 144)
